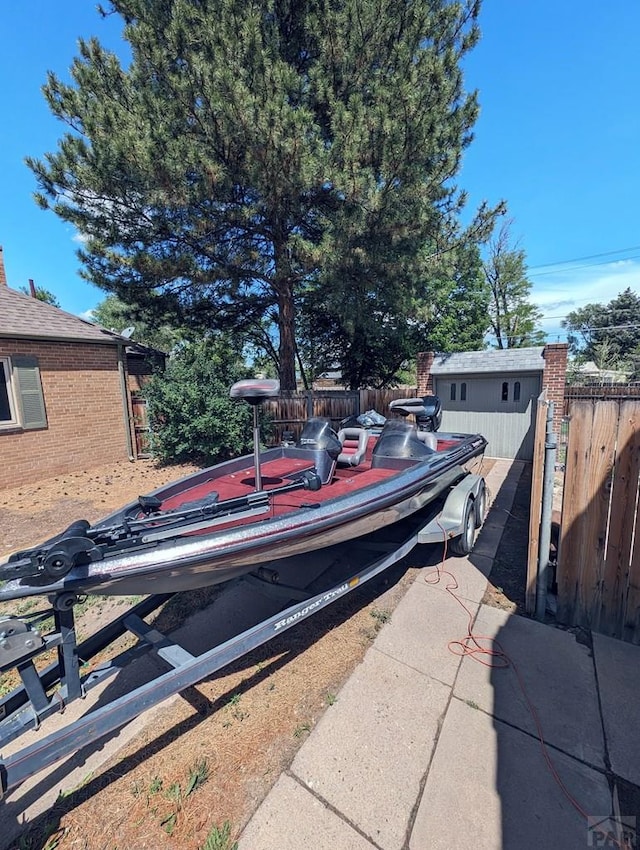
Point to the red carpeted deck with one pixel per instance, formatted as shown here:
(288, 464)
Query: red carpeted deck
(275, 474)
(278, 472)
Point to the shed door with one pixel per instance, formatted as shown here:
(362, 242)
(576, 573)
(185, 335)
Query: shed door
(502, 408)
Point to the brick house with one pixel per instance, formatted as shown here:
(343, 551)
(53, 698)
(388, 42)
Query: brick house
(494, 392)
(65, 400)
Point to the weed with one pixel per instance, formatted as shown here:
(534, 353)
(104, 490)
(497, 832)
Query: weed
(156, 785)
(331, 699)
(220, 839)
(381, 616)
(300, 730)
(168, 824)
(198, 775)
(174, 792)
(471, 703)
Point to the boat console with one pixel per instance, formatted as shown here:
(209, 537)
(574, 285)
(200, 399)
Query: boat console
(321, 442)
(399, 441)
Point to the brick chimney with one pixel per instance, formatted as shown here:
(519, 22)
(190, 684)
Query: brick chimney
(3, 276)
(424, 377)
(554, 378)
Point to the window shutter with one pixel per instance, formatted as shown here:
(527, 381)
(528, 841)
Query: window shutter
(29, 392)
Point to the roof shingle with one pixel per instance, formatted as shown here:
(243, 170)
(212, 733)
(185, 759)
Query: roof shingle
(507, 360)
(23, 317)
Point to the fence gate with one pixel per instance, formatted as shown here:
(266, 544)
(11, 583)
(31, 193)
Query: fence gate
(599, 560)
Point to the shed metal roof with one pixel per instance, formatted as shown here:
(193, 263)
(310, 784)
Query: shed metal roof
(498, 360)
(24, 317)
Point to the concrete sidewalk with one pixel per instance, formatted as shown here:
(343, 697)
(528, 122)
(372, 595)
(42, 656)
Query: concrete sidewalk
(424, 749)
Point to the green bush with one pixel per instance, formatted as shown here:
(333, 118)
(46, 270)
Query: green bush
(191, 415)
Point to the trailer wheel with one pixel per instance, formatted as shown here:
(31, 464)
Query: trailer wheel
(463, 544)
(480, 505)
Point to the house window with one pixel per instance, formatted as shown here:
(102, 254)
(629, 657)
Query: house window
(516, 391)
(463, 391)
(505, 391)
(453, 392)
(7, 404)
(21, 399)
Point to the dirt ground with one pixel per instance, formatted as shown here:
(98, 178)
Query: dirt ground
(210, 758)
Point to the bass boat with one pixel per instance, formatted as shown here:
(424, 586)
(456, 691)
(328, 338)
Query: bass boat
(221, 522)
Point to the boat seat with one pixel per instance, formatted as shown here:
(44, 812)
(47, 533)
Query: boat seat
(429, 439)
(354, 446)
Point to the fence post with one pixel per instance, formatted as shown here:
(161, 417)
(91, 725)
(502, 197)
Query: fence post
(545, 519)
(536, 504)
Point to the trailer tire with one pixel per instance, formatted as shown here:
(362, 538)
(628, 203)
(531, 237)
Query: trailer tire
(480, 504)
(463, 544)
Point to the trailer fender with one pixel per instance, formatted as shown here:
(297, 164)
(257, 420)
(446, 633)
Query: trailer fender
(469, 494)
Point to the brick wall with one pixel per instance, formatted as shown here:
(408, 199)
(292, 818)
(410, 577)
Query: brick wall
(83, 400)
(554, 379)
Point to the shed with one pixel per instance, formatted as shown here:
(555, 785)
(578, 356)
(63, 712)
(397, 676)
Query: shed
(494, 392)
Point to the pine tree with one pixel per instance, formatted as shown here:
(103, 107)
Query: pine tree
(252, 150)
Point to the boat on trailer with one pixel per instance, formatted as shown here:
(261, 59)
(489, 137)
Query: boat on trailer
(223, 521)
(380, 494)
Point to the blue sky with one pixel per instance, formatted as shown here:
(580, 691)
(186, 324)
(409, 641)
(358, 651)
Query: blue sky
(558, 139)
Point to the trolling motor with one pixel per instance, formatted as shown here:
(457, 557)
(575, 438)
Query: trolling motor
(254, 391)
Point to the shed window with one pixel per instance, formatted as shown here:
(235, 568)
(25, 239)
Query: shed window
(463, 391)
(505, 391)
(453, 392)
(21, 399)
(516, 391)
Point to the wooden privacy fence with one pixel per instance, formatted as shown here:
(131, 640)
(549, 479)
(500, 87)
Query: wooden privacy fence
(599, 560)
(289, 413)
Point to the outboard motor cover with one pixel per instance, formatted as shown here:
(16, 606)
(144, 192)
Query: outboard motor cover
(398, 441)
(318, 437)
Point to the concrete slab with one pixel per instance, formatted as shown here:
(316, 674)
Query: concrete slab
(368, 754)
(502, 482)
(273, 826)
(470, 574)
(617, 665)
(420, 628)
(557, 673)
(489, 787)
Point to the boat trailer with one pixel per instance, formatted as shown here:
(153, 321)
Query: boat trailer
(48, 691)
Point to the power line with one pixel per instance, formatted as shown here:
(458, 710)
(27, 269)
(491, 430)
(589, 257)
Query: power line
(577, 268)
(588, 257)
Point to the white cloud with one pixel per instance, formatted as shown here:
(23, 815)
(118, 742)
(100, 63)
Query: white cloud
(560, 291)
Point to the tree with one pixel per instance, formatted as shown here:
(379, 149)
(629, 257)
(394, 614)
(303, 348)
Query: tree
(192, 417)
(607, 332)
(514, 318)
(371, 329)
(253, 150)
(115, 315)
(41, 294)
